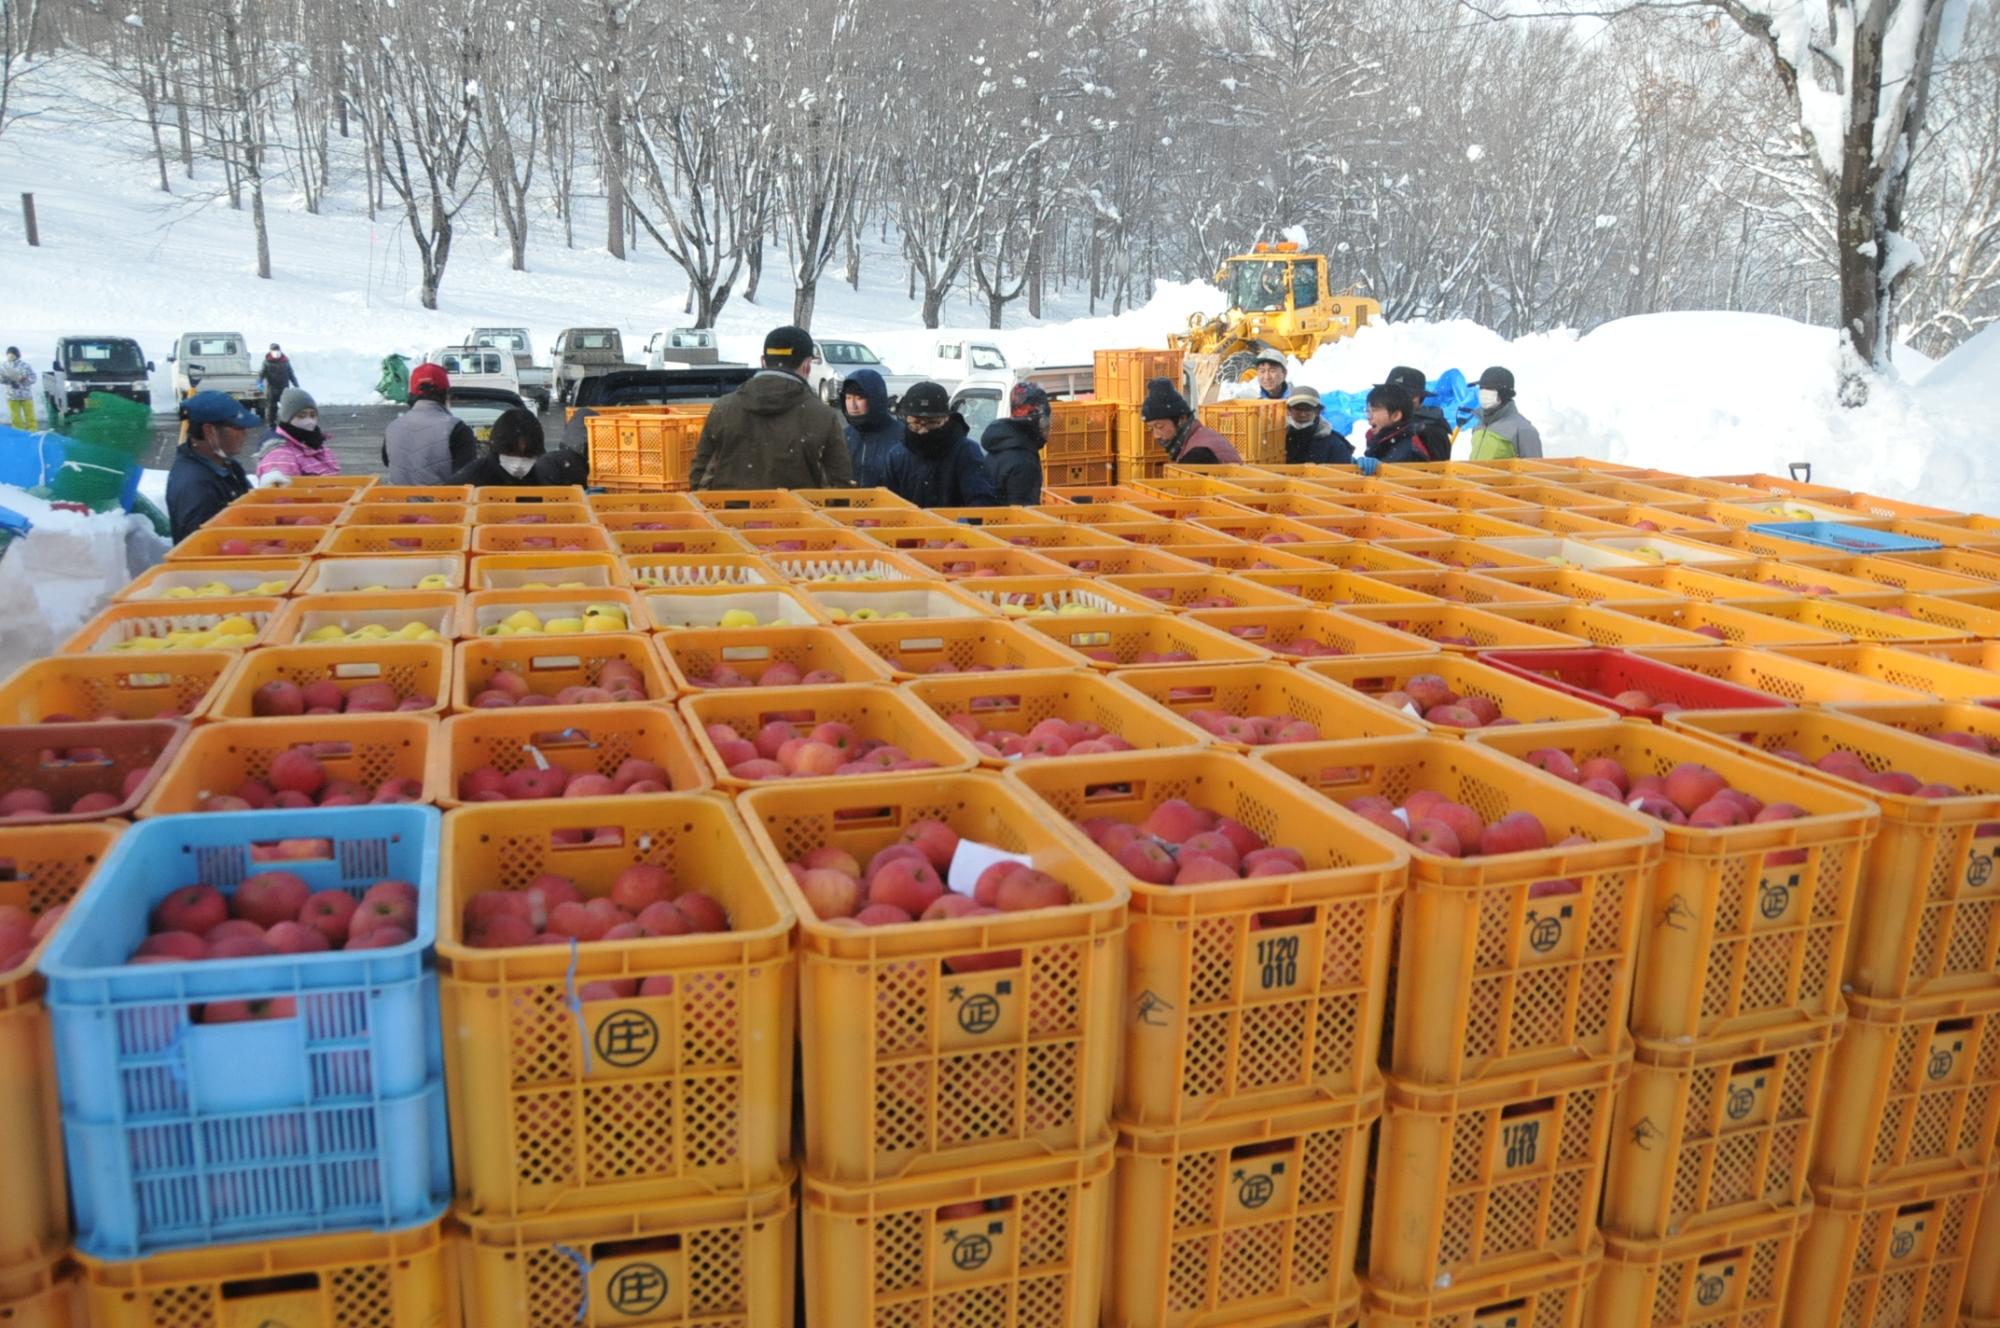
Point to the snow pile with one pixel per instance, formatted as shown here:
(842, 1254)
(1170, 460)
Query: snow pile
(58, 575)
(1720, 393)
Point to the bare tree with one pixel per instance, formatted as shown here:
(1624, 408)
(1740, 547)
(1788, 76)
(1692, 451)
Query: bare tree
(424, 106)
(19, 22)
(703, 132)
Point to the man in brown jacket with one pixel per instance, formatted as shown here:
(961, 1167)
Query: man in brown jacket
(774, 432)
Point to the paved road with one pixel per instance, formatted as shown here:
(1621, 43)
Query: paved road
(356, 430)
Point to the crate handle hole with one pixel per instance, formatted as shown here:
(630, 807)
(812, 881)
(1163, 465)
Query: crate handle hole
(552, 663)
(627, 1249)
(1516, 1110)
(289, 850)
(144, 681)
(849, 817)
(1962, 1025)
(332, 751)
(1112, 789)
(251, 1287)
(1263, 1148)
(561, 738)
(1183, 695)
(1723, 1256)
(584, 836)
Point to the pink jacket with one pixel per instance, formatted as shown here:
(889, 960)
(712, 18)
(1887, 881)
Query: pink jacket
(288, 456)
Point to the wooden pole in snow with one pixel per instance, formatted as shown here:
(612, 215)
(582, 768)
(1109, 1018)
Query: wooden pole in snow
(28, 219)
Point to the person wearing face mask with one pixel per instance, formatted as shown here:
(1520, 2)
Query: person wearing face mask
(939, 464)
(1309, 439)
(1502, 431)
(1014, 444)
(206, 476)
(513, 450)
(19, 378)
(297, 446)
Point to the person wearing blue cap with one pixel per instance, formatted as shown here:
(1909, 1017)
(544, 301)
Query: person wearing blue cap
(206, 477)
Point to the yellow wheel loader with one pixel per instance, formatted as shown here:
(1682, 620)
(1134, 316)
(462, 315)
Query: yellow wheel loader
(1278, 297)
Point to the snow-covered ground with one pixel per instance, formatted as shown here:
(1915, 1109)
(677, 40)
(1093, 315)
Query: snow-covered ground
(1691, 392)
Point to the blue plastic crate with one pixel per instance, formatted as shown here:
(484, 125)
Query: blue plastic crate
(1848, 539)
(329, 1117)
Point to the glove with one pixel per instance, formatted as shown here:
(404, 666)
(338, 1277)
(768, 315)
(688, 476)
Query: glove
(1367, 465)
(277, 479)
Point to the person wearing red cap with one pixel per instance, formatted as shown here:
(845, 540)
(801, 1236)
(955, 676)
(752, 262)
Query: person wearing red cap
(427, 444)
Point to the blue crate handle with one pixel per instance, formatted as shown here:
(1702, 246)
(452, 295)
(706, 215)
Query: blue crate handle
(583, 1266)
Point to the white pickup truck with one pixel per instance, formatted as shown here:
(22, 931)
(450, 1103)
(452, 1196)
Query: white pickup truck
(477, 366)
(535, 379)
(954, 364)
(216, 362)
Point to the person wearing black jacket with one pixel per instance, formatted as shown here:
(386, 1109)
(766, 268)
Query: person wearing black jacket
(1309, 438)
(206, 476)
(1014, 445)
(276, 374)
(938, 465)
(1433, 434)
(514, 455)
(873, 432)
(1392, 434)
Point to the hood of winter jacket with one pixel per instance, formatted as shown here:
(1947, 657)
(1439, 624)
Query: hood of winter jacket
(773, 392)
(868, 385)
(1011, 435)
(939, 442)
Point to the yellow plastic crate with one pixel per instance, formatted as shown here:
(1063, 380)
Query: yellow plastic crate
(1304, 633)
(1796, 682)
(1247, 994)
(391, 1279)
(933, 1046)
(1753, 918)
(1913, 1089)
(163, 684)
(676, 1264)
(1244, 1220)
(1932, 675)
(1725, 624)
(566, 1100)
(1019, 1243)
(577, 740)
(236, 577)
(1731, 1276)
(1591, 626)
(752, 651)
(1495, 1176)
(1336, 588)
(47, 865)
(1517, 698)
(1890, 1256)
(117, 627)
(1019, 701)
(1716, 1132)
(1547, 1294)
(873, 712)
(1928, 921)
(959, 645)
(1272, 690)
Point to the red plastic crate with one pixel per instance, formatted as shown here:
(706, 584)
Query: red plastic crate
(1598, 676)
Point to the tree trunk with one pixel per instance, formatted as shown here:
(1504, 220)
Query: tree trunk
(995, 304)
(753, 262)
(934, 298)
(614, 181)
(803, 300)
(257, 221)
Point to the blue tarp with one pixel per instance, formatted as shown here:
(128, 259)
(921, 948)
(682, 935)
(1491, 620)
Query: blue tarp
(33, 461)
(1456, 399)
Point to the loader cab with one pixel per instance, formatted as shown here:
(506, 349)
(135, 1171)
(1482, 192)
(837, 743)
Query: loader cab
(1279, 284)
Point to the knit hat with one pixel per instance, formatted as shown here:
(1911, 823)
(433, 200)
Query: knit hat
(1410, 380)
(294, 400)
(1499, 379)
(1163, 402)
(928, 400)
(1026, 399)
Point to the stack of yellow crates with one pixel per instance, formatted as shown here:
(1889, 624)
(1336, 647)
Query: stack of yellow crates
(1509, 1040)
(1121, 377)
